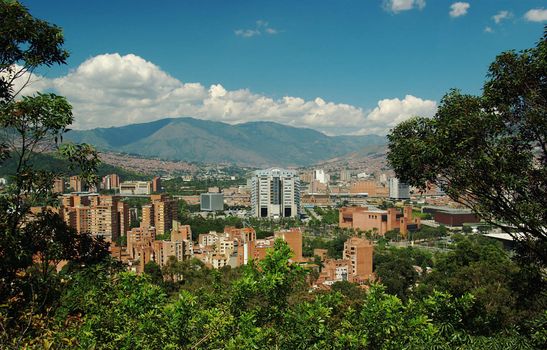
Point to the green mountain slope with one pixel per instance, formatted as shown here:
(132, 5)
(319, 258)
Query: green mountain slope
(50, 162)
(254, 143)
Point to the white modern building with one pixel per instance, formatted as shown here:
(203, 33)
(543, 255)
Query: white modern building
(135, 188)
(275, 193)
(321, 176)
(398, 189)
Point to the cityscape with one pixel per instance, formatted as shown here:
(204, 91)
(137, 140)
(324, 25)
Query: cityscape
(242, 211)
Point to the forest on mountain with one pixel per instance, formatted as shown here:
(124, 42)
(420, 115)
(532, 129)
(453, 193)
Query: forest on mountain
(474, 296)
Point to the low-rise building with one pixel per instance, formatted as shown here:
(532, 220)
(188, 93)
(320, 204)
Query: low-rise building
(135, 188)
(380, 221)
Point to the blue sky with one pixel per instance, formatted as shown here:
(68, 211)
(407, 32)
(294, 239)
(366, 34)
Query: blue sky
(253, 55)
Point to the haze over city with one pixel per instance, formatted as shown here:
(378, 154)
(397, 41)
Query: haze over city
(340, 67)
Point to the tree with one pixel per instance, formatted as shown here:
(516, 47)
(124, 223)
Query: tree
(395, 270)
(30, 124)
(154, 271)
(488, 152)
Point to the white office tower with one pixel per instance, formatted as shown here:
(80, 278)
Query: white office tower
(275, 193)
(321, 176)
(398, 190)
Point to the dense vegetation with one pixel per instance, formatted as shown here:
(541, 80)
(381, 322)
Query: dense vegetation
(269, 306)
(51, 162)
(488, 152)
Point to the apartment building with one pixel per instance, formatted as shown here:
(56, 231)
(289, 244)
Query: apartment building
(59, 185)
(76, 184)
(160, 213)
(355, 266)
(99, 215)
(110, 182)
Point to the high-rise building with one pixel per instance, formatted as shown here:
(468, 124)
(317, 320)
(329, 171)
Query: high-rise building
(140, 245)
(321, 176)
(275, 193)
(111, 182)
(355, 266)
(160, 213)
(398, 189)
(123, 217)
(165, 211)
(59, 185)
(104, 216)
(156, 184)
(147, 219)
(181, 232)
(76, 184)
(345, 175)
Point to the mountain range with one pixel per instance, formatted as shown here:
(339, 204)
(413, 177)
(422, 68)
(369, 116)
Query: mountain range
(249, 144)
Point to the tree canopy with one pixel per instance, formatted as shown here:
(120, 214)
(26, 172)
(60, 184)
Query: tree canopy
(30, 124)
(488, 152)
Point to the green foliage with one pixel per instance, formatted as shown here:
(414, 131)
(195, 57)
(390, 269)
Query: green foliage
(179, 187)
(53, 162)
(475, 297)
(395, 268)
(488, 152)
(31, 245)
(428, 232)
(200, 224)
(350, 290)
(423, 216)
(27, 42)
(328, 215)
(504, 292)
(154, 271)
(267, 306)
(334, 246)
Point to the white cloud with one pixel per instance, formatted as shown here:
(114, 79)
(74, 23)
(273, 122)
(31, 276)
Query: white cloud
(397, 6)
(458, 9)
(502, 15)
(246, 33)
(488, 30)
(261, 26)
(24, 82)
(536, 15)
(391, 112)
(114, 90)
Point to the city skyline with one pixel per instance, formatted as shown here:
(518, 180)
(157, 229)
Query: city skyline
(327, 66)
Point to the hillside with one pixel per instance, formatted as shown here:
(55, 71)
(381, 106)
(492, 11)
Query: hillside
(250, 144)
(50, 162)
